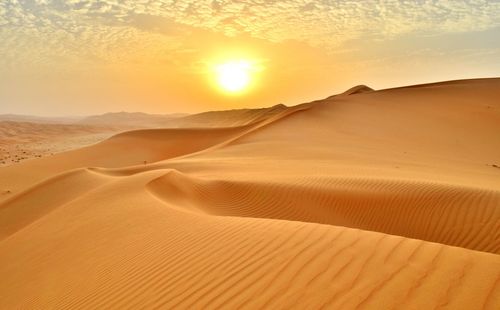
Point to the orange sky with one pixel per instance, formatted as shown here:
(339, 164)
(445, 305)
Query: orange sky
(88, 57)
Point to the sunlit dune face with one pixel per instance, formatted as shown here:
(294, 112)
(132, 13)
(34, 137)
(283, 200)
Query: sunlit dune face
(234, 76)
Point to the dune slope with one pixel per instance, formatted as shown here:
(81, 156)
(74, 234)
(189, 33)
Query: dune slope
(369, 199)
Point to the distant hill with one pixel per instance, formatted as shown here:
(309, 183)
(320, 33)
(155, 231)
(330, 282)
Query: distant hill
(229, 118)
(127, 119)
(38, 119)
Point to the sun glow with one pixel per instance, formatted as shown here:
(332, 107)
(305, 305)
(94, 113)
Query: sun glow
(234, 76)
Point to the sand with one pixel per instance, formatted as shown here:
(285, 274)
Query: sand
(24, 140)
(370, 199)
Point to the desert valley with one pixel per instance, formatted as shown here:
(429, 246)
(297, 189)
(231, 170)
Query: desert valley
(370, 199)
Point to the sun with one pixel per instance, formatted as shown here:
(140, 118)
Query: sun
(234, 76)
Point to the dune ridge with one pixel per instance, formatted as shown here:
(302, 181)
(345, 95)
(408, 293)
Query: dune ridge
(375, 200)
(19, 211)
(355, 90)
(442, 213)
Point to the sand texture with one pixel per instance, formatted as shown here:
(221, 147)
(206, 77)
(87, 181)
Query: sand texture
(384, 199)
(23, 140)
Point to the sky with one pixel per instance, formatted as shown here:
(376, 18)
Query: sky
(82, 57)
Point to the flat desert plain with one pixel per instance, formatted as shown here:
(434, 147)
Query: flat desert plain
(384, 199)
(24, 140)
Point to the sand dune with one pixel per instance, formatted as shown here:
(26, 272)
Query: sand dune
(27, 137)
(369, 199)
(230, 118)
(458, 216)
(355, 90)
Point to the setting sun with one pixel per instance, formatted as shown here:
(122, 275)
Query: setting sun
(233, 76)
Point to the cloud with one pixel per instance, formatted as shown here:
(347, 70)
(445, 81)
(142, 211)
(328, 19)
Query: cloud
(43, 30)
(332, 22)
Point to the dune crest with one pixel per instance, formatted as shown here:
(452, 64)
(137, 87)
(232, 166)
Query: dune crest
(364, 204)
(386, 200)
(358, 90)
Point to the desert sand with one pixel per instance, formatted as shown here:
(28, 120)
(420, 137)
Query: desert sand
(24, 137)
(24, 140)
(385, 199)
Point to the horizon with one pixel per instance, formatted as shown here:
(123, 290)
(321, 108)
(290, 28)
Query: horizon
(181, 114)
(163, 57)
